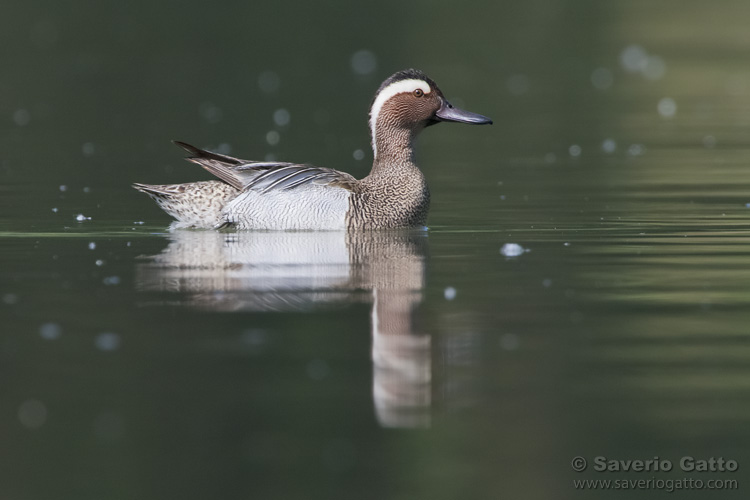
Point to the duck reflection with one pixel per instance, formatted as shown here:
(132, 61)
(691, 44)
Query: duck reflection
(298, 271)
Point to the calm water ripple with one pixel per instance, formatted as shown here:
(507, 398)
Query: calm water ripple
(583, 289)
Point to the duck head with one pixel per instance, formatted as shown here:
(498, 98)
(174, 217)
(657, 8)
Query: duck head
(408, 101)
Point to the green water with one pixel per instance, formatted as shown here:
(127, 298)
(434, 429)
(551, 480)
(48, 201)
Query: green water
(139, 363)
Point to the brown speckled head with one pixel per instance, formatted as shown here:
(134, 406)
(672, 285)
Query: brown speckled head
(410, 100)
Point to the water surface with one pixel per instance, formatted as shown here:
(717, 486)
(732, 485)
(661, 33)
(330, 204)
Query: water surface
(140, 363)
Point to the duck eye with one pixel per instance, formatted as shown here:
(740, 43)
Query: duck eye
(418, 93)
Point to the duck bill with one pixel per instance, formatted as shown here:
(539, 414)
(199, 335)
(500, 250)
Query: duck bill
(450, 113)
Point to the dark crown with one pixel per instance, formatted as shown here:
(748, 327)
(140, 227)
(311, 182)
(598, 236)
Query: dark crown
(407, 74)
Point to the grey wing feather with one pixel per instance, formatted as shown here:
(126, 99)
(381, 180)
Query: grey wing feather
(265, 176)
(290, 176)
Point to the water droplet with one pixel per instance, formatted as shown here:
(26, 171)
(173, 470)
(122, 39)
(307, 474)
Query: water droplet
(50, 331)
(574, 150)
(364, 62)
(317, 369)
(99, 262)
(10, 299)
(107, 341)
(22, 117)
(509, 341)
(210, 112)
(633, 58)
(654, 69)
(273, 138)
(32, 414)
(92, 245)
(281, 117)
(609, 146)
(636, 149)
(254, 337)
(667, 107)
(512, 250)
(517, 84)
(449, 293)
(268, 81)
(602, 78)
(111, 280)
(358, 154)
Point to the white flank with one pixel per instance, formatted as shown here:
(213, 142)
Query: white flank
(400, 87)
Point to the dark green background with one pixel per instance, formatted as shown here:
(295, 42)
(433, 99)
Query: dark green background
(623, 332)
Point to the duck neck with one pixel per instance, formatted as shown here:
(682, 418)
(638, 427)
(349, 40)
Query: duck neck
(395, 193)
(394, 150)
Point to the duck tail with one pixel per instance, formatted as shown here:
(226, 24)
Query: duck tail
(199, 154)
(157, 190)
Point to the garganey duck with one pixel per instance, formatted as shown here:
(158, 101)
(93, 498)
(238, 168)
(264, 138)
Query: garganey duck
(292, 196)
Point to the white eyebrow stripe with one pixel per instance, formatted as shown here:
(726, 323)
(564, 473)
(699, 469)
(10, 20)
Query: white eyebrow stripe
(391, 90)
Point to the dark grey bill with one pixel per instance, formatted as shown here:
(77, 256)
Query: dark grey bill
(449, 113)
